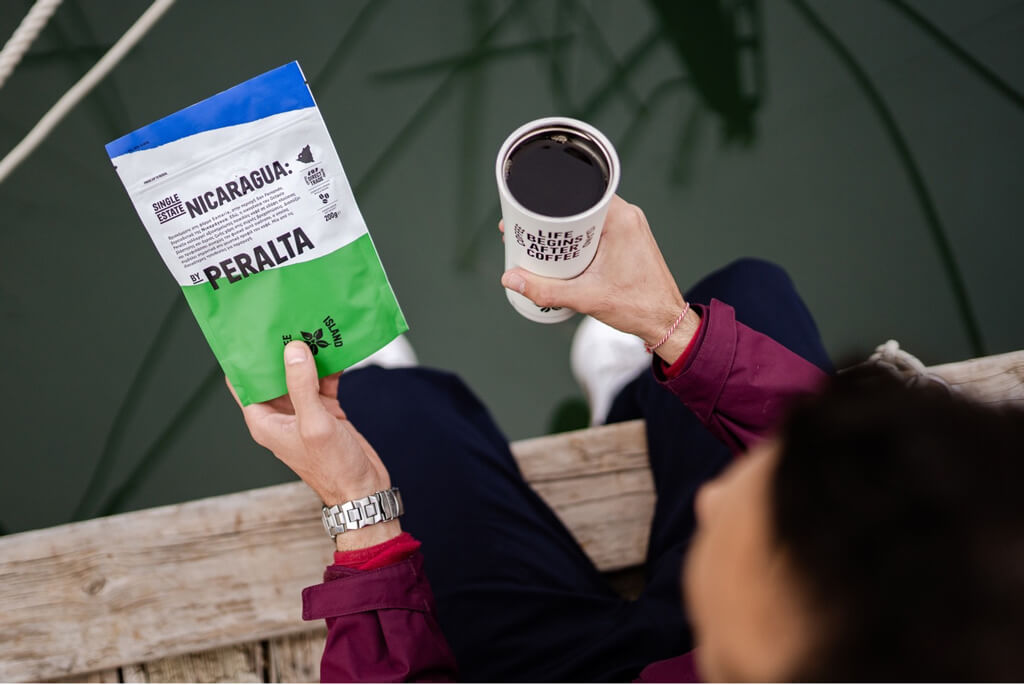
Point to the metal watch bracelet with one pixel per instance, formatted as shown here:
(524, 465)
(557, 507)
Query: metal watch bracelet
(379, 507)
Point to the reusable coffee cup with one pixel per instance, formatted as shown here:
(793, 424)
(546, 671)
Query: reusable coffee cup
(556, 177)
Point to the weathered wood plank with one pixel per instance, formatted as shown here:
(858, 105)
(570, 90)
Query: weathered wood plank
(134, 673)
(236, 664)
(99, 594)
(112, 675)
(618, 447)
(585, 474)
(296, 658)
(995, 379)
(584, 502)
(229, 569)
(91, 596)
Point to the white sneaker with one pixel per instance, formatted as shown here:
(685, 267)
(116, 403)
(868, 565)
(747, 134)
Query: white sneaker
(603, 361)
(394, 355)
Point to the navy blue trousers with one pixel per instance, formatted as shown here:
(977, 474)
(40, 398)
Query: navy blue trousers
(517, 597)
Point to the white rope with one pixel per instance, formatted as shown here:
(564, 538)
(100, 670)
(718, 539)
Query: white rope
(20, 41)
(78, 91)
(904, 365)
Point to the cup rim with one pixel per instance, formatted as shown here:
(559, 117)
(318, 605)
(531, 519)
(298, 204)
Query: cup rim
(583, 127)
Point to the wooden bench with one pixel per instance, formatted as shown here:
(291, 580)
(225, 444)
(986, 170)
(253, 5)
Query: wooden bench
(210, 590)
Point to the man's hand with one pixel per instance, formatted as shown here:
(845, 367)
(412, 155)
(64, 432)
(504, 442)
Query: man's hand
(309, 432)
(628, 285)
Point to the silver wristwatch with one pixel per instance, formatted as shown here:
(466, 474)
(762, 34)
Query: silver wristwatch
(379, 507)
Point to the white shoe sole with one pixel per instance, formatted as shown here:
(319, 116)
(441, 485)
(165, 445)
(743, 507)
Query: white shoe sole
(396, 354)
(603, 361)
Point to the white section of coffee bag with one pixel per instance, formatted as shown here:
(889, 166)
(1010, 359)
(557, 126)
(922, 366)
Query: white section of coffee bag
(260, 191)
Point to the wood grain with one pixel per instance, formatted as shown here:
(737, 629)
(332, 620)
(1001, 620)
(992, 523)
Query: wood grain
(94, 595)
(618, 447)
(112, 675)
(608, 513)
(296, 658)
(141, 590)
(156, 583)
(236, 664)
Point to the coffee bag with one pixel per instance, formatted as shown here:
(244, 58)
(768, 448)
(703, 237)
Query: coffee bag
(246, 200)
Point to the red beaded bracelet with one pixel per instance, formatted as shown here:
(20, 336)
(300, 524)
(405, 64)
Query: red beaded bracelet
(671, 329)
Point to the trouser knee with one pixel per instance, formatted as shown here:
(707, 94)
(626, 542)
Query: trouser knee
(761, 271)
(745, 279)
(406, 395)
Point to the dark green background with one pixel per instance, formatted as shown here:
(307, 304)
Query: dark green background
(107, 379)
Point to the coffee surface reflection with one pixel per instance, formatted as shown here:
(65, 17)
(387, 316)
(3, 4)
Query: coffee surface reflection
(556, 174)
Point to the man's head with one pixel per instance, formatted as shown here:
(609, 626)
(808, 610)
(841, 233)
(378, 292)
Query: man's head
(880, 535)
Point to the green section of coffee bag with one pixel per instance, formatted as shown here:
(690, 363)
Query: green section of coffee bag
(340, 305)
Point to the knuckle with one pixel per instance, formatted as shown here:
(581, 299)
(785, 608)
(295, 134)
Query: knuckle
(543, 298)
(315, 432)
(638, 218)
(256, 431)
(259, 436)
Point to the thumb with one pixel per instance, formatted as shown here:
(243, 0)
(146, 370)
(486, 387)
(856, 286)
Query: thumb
(542, 291)
(303, 386)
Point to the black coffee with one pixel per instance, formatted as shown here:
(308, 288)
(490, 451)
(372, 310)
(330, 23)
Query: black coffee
(557, 173)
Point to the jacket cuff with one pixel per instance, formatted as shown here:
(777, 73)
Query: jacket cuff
(349, 591)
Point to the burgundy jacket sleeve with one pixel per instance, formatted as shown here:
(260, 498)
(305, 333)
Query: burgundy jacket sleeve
(738, 381)
(678, 669)
(381, 625)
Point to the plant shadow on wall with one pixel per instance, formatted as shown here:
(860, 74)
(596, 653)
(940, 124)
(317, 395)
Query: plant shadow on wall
(717, 46)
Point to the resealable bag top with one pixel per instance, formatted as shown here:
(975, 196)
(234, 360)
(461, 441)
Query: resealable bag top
(246, 200)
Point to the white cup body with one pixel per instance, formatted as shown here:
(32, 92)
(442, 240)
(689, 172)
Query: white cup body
(556, 247)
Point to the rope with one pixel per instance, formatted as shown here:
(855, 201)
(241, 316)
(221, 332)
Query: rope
(78, 91)
(22, 38)
(904, 365)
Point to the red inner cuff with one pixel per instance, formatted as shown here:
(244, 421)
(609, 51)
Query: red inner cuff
(396, 549)
(677, 366)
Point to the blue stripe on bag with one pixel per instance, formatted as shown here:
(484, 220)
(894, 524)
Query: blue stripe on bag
(280, 90)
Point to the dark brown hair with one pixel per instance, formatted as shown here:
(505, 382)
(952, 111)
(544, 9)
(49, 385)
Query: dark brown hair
(902, 510)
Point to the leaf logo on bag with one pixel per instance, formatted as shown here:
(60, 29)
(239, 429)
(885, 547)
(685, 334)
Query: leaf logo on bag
(314, 340)
(227, 202)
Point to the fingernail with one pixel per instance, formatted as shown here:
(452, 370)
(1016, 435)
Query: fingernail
(295, 354)
(514, 281)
